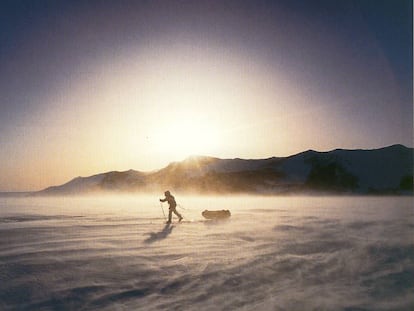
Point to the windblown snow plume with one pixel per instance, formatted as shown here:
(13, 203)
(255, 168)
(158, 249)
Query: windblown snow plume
(272, 254)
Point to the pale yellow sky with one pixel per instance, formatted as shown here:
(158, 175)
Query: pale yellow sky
(108, 86)
(146, 108)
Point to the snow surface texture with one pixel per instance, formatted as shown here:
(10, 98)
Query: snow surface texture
(273, 254)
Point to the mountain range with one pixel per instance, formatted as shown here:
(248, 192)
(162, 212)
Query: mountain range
(387, 170)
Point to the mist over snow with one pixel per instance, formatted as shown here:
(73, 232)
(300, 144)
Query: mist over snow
(387, 170)
(274, 253)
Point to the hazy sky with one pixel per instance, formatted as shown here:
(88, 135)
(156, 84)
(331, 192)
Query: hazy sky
(94, 86)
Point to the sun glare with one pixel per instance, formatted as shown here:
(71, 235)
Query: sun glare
(185, 137)
(163, 107)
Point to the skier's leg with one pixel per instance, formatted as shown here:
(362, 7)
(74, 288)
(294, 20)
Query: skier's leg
(169, 215)
(178, 215)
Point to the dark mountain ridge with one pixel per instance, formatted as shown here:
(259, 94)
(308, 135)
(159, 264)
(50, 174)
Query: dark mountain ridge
(386, 170)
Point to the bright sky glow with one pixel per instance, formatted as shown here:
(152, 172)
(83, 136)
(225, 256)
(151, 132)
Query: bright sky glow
(139, 88)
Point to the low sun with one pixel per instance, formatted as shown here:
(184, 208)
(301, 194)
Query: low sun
(184, 137)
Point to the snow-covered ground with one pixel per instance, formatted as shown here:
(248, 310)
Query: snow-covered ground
(294, 253)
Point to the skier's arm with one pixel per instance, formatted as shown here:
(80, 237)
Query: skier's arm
(163, 200)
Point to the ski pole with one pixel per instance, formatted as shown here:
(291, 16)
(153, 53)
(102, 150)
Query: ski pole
(165, 217)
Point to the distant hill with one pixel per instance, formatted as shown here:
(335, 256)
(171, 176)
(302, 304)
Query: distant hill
(387, 170)
(111, 181)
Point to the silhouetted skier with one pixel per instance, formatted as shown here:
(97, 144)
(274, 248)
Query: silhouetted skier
(171, 202)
